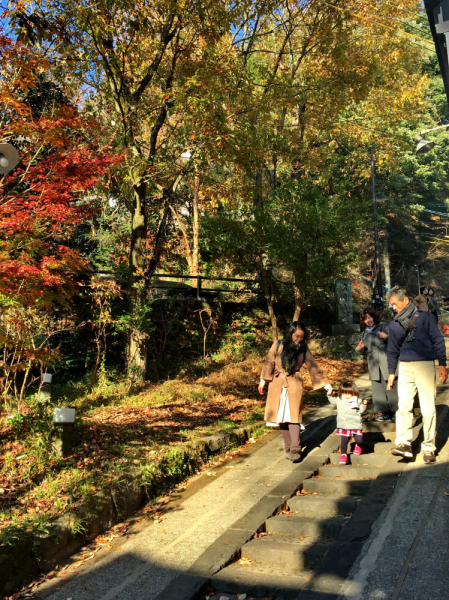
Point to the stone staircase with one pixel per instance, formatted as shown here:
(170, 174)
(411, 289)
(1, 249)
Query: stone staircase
(298, 553)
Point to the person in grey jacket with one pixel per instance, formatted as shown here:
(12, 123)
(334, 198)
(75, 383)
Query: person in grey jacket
(349, 417)
(373, 345)
(433, 304)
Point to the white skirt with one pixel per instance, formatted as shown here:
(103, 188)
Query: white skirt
(283, 415)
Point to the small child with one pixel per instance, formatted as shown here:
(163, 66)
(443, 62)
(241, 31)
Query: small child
(349, 417)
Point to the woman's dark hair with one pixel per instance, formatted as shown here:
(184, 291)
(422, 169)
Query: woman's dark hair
(290, 330)
(348, 387)
(429, 289)
(422, 288)
(372, 312)
(292, 352)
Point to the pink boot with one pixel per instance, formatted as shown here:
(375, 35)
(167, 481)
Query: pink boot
(344, 459)
(357, 449)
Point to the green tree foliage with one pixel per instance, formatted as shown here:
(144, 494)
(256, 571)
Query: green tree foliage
(412, 183)
(250, 94)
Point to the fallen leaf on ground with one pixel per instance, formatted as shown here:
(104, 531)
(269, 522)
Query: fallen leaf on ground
(101, 539)
(245, 561)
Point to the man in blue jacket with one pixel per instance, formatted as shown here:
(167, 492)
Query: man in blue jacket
(415, 339)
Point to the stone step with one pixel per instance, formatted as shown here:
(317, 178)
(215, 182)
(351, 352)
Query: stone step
(291, 553)
(259, 581)
(377, 437)
(324, 508)
(337, 487)
(370, 447)
(379, 426)
(300, 526)
(348, 472)
(368, 460)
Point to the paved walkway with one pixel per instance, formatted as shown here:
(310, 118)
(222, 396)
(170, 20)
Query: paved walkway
(143, 563)
(407, 554)
(403, 556)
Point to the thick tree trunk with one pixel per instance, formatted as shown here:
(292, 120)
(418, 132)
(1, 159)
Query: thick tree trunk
(196, 226)
(138, 235)
(258, 198)
(299, 274)
(297, 295)
(137, 348)
(137, 356)
(270, 297)
(387, 266)
(297, 289)
(160, 239)
(189, 257)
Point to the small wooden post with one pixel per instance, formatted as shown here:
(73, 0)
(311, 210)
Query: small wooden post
(198, 287)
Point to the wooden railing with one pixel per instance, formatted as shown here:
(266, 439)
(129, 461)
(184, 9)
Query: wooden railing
(201, 278)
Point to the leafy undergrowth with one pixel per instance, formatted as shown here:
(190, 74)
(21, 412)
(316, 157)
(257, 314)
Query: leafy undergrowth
(121, 429)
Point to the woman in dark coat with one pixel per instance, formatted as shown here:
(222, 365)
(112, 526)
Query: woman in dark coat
(285, 389)
(433, 304)
(373, 345)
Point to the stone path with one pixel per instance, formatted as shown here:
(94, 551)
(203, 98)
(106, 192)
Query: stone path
(375, 529)
(310, 547)
(407, 554)
(328, 544)
(203, 527)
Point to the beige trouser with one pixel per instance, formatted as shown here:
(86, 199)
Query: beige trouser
(412, 376)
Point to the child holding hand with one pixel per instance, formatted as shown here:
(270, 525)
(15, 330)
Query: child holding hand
(349, 417)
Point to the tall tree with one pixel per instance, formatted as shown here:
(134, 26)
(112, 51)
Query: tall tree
(248, 87)
(142, 62)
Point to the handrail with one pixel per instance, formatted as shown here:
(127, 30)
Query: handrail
(205, 278)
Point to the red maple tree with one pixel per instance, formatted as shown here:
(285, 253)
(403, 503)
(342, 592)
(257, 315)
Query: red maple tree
(45, 197)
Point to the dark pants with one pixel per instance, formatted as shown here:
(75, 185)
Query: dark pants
(290, 433)
(383, 401)
(345, 441)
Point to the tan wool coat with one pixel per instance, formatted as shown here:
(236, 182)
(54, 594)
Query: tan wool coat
(273, 373)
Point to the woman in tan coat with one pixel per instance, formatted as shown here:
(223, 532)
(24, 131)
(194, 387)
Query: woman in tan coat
(285, 388)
